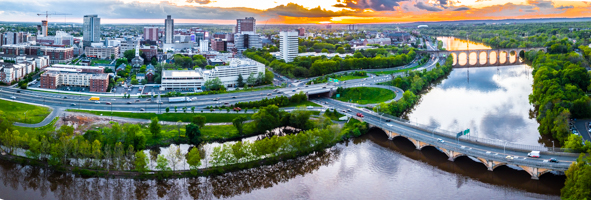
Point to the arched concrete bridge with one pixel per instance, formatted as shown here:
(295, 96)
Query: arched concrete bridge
(485, 57)
(491, 153)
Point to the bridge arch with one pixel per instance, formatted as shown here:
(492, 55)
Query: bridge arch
(503, 57)
(482, 58)
(493, 57)
(513, 56)
(463, 58)
(472, 58)
(454, 58)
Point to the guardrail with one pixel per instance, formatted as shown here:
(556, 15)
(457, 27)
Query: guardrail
(479, 153)
(479, 140)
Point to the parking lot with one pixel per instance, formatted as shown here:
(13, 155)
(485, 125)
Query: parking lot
(581, 126)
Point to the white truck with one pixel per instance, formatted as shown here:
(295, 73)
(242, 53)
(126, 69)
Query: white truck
(534, 154)
(178, 99)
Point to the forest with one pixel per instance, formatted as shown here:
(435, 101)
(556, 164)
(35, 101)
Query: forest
(310, 66)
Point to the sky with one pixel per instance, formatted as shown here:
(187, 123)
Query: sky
(289, 11)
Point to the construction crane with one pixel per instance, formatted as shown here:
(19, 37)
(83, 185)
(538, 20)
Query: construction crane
(47, 14)
(44, 22)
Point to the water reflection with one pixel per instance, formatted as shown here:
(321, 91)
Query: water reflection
(370, 167)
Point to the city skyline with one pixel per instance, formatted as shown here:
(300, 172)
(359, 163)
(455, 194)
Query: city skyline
(302, 12)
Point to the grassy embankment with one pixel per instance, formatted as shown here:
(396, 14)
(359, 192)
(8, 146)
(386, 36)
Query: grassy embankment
(172, 116)
(365, 95)
(16, 112)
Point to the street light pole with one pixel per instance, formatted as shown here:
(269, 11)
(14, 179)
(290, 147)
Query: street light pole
(504, 148)
(553, 145)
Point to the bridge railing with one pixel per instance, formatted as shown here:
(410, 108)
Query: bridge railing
(450, 145)
(473, 139)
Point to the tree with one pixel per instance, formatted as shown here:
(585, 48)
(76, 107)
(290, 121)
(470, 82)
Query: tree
(578, 180)
(141, 161)
(129, 54)
(324, 51)
(214, 84)
(172, 156)
(199, 120)
(341, 50)
(175, 109)
(193, 159)
(155, 127)
(251, 80)
(167, 109)
(238, 122)
(154, 61)
(267, 118)
(162, 165)
(193, 109)
(193, 133)
(240, 81)
(96, 152)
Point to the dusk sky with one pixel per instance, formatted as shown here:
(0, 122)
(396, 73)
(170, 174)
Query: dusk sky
(291, 12)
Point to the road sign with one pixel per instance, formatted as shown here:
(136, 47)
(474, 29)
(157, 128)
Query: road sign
(466, 131)
(459, 134)
(338, 95)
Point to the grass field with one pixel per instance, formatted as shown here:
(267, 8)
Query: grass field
(366, 95)
(36, 131)
(350, 77)
(378, 73)
(305, 103)
(16, 112)
(93, 62)
(172, 117)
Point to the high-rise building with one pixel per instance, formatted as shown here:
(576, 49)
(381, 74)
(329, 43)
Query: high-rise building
(288, 45)
(91, 29)
(168, 30)
(151, 33)
(301, 31)
(44, 27)
(247, 40)
(246, 24)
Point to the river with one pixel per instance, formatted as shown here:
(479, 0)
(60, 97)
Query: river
(491, 101)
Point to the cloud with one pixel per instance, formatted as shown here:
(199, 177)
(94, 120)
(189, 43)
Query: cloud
(199, 1)
(564, 7)
(541, 3)
(295, 10)
(376, 5)
(424, 6)
(461, 9)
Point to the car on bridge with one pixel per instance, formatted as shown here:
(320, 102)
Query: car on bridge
(73, 104)
(359, 115)
(553, 160)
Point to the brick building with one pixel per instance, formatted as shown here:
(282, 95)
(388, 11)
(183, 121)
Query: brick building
(56, 54)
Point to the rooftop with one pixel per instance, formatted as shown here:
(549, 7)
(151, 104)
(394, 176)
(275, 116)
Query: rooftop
(180, 73)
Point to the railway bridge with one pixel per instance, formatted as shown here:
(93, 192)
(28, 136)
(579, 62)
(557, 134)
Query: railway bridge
(485, 57)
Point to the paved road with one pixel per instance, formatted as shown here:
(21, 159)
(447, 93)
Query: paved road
(581, 126)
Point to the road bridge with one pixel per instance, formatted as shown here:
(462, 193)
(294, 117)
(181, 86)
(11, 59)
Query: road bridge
(485, 57)
(491, 153)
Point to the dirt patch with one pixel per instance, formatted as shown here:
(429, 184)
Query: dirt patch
(83, 122)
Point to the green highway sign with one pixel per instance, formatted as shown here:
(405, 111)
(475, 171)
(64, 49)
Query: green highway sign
(466, 131)
(338, 95)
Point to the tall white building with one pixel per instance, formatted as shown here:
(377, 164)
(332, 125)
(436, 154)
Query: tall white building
(203, 46)
(168, 30)
(91, 29)
(288, 45)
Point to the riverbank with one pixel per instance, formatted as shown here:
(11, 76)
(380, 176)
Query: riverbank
(349, 130)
